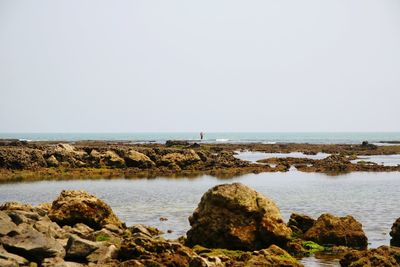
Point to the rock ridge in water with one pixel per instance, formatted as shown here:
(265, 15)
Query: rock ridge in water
(234, 216)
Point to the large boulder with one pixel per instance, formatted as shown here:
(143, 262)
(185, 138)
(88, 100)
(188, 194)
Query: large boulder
(113, 159)
(339, 231)
(139, 160)
(395, 233)
(382, 256)
(73, 206)
(234, 216)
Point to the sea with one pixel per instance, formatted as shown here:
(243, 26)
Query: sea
(217, 137)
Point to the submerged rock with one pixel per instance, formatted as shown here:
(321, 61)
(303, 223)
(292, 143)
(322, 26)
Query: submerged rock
(382, 256)
(234, 216)
(73, 206)
(395, 233)
(339, 231)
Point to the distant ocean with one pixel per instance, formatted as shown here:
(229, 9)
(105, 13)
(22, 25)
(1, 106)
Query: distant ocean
(217, 137)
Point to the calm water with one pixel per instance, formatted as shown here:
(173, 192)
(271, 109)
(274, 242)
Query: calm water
(223, 137)
(372, 198)
(254, 156)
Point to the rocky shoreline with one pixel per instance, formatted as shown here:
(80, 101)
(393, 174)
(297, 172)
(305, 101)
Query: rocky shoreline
(233, 225)
(21, 161)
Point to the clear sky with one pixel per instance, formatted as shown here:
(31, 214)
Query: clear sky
(212, 65)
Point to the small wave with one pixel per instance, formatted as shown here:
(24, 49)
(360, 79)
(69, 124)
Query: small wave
(221, 140)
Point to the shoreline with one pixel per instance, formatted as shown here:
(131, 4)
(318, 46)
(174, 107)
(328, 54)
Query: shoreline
(32, 161)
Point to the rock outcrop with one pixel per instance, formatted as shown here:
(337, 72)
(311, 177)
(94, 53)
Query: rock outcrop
(73, 207)
(139, 160)
(382, 256)
(339, 231)
(234, 216)
(395, 233)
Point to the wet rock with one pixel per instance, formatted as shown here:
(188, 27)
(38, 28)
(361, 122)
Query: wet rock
(139, 160)
(234, 216)
(395, 234)
(382, 256)
(340, 231)
(6, 224)
(74, 206)
(300, 223)
(33, 245)
(272, 256)
(78, 248)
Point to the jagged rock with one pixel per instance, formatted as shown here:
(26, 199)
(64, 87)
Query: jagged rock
(383, 256)
(33, 245)
(6, 224)
(234, 216)
(300, 223)
(139, 160)
(103, 254)
(395, 234)
(47, 227)
(78, 248)
(12, 258)
(112, 159)
(74, 206)
(145, 230)
(340, 231)
(52, 161)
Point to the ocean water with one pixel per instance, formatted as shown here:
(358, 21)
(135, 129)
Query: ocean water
(219, 137)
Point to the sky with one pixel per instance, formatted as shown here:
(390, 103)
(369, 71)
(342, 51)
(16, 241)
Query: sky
(211, 65)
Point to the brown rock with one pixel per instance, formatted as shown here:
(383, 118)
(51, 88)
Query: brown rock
(340, 231)
(395, 234)
(300, 223)
(73, 206)
(234, 216)
(139, 160)
(383, 256)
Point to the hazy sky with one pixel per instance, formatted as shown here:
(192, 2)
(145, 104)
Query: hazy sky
(123, 66)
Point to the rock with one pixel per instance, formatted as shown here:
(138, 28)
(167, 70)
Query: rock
(74, 206)
(139, 160)
(395, 234)
(183, 159)
(52, 161)
(59, 262)
(340, 231)
(105, 235)
(382, 256)
(47, 227)
(78, 248)
(15, 259)
(19, 216)
(145, 230)
(103, 254)
(8, 263)
(300, 223)
(272, 256)
(6, 224)
(170, 143)
(33, 245)
(234, 216)
(112, 159)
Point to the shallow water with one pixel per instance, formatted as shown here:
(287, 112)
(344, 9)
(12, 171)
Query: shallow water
(372, 198)
(254, 156)
(385, 160)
